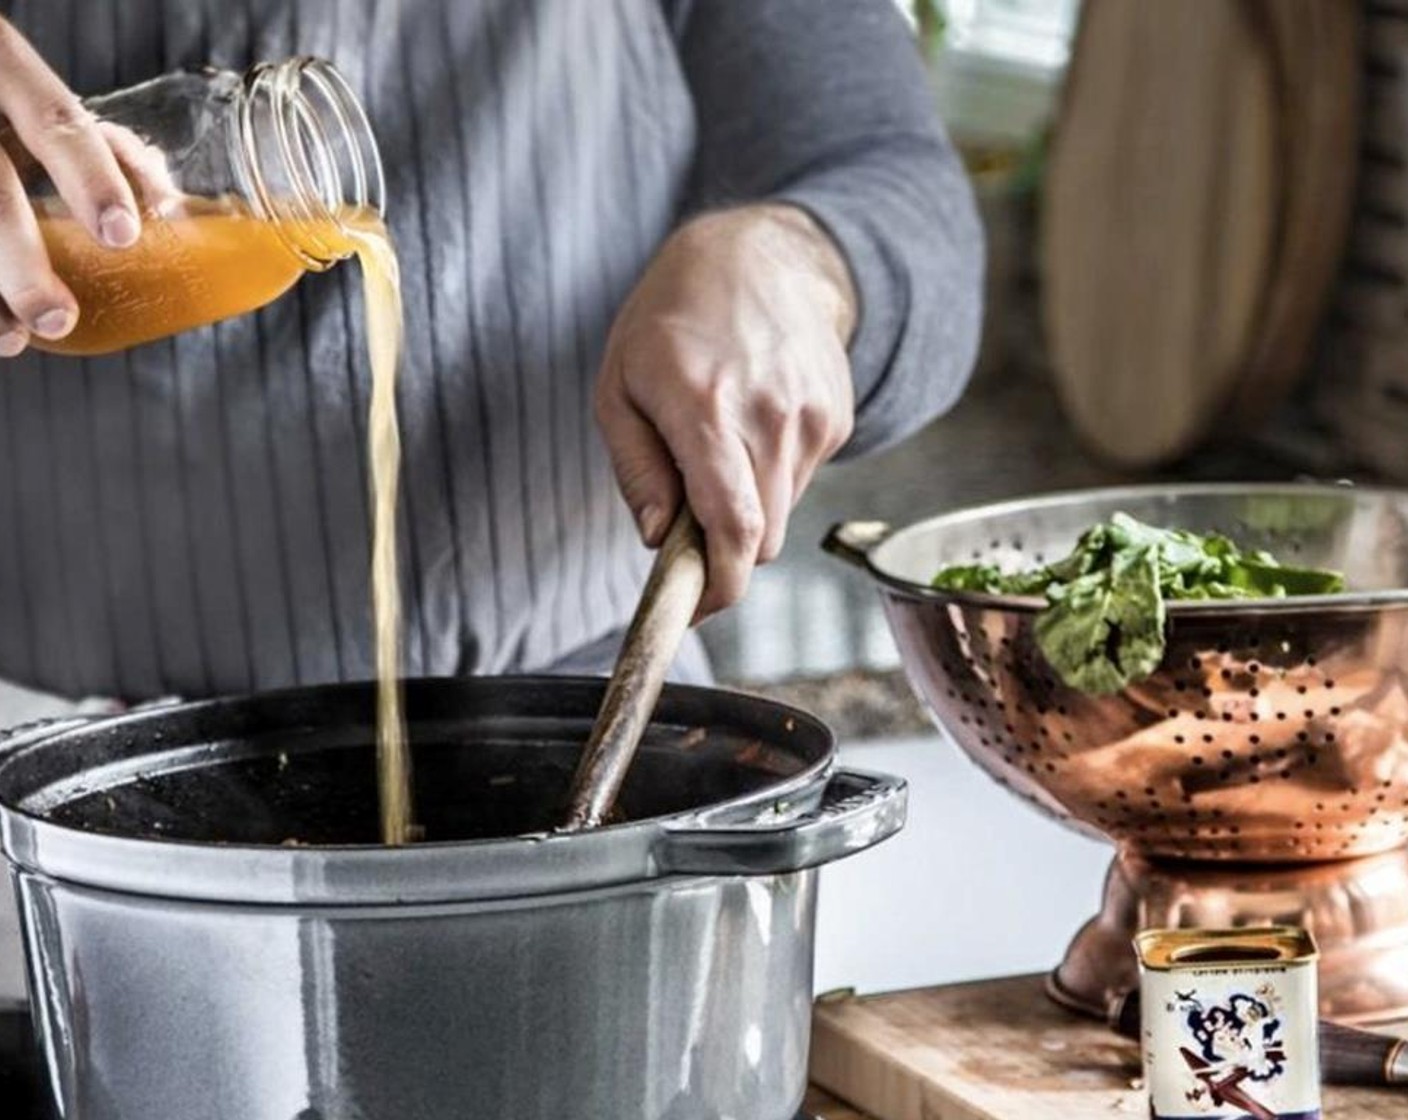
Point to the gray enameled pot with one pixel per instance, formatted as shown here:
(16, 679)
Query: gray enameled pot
(185, 961)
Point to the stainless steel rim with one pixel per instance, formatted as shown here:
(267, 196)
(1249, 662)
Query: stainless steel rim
(811, 817)
(1348, 601)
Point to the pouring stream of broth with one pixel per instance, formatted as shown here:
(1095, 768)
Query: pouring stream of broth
(209, 262)
(381, 282)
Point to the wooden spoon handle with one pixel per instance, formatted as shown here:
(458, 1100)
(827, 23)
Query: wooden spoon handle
(662, 618)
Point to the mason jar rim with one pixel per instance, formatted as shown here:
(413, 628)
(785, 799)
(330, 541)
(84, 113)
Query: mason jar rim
(327, 149)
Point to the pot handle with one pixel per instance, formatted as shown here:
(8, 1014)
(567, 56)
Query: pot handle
(853, 540)
(858, 810)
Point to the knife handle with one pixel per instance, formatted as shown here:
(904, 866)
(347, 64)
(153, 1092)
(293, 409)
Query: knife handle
(1348, 1055)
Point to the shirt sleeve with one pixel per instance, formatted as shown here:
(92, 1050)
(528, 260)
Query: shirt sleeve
(826, 104)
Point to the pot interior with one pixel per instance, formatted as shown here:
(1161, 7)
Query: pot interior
(492, 758)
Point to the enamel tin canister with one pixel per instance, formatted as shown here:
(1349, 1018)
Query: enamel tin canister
(1229, 1023)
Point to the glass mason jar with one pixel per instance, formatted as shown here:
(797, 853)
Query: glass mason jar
(245, 182)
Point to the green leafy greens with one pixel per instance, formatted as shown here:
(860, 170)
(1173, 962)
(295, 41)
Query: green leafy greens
(1103, 625)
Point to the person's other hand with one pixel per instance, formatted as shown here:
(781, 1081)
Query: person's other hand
(726, 379)
(49, 124)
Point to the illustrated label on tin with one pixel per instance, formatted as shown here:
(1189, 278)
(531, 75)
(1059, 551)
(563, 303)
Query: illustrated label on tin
(1232, 1042)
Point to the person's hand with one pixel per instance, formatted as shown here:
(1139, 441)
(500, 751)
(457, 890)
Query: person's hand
(726, 379)
(49, 125)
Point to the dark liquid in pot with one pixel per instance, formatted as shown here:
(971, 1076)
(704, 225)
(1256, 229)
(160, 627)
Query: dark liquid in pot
(316, 790)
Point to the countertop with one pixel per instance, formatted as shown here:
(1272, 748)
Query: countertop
(999, 1049)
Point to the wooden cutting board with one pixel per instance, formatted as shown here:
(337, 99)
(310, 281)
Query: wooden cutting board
(1195, 206)
(1317, 55)
(996, 1050)
(826, 1107)
(1158, 221)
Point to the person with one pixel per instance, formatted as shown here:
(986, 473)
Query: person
(731, 230)
(652, 251)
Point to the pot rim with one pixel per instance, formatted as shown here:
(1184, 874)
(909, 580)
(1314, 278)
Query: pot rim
(439, 871)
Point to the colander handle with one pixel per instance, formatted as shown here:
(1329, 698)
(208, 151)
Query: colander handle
(853, 540)
(858, 810)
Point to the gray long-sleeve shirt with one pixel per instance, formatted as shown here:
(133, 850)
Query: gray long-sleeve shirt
(191, 516)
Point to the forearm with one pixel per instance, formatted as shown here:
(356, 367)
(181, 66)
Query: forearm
(907, 226)
(788, 241)
(825, 105)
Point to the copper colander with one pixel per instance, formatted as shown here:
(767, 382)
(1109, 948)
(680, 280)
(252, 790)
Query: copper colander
(1273, 731)
(1269, 748)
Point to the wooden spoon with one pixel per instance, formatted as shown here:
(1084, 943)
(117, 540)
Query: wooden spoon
(666, 608)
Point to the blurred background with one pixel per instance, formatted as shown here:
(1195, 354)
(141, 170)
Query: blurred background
(1197, 228)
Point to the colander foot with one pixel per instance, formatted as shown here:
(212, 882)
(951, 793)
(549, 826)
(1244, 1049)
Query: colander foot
(1357, 909)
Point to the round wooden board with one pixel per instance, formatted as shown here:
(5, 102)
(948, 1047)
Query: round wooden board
(1316, 45)
(1158, 224)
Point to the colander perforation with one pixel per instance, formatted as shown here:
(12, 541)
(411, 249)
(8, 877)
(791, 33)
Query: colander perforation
(1273, 731)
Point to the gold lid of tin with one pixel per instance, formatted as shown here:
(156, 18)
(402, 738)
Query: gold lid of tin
(1164, 950)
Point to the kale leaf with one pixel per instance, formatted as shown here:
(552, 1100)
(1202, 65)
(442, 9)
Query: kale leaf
(1103, 624)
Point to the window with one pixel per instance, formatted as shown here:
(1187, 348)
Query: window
(1030, 33)
(997, 63)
